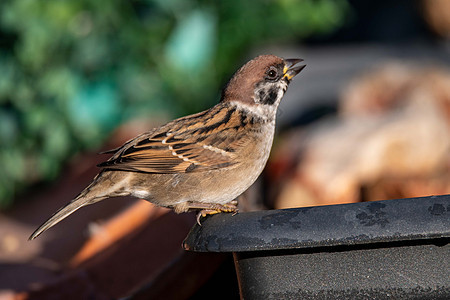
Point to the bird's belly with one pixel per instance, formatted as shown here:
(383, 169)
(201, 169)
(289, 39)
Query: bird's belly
(217, 186)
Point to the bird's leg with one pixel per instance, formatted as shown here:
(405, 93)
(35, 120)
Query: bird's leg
(213, 208)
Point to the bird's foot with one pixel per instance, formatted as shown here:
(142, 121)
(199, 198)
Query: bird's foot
(214, 208)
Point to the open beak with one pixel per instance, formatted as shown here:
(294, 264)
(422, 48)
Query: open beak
(290, 69)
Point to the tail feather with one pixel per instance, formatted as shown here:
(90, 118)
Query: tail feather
(62, 213)
(99, 189)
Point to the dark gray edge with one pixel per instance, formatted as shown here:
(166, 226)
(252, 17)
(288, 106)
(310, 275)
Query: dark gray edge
(388, 221)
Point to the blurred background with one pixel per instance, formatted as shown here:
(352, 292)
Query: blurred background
(368, 119)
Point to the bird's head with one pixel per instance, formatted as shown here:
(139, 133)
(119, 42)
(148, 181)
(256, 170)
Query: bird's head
(262, 81)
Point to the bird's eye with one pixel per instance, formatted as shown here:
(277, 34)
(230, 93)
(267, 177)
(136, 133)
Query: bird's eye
(272, 74)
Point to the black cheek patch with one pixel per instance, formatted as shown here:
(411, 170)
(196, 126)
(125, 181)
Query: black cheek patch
(261, 95)
(269, 96)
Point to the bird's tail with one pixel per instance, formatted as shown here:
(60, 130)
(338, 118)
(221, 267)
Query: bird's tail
(95, 192)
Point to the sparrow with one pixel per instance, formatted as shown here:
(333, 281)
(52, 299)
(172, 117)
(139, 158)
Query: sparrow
(202, 161)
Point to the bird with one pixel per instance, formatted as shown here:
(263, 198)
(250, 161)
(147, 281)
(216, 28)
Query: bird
(203, 161)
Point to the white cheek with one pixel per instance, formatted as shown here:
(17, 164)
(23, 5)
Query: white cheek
(281, 86)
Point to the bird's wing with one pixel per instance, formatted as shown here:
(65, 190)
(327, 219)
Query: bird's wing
(196, 143)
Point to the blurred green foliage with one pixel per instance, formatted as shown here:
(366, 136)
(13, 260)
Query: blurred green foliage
(72, 71)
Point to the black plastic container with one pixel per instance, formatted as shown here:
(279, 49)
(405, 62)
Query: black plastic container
(394, 249)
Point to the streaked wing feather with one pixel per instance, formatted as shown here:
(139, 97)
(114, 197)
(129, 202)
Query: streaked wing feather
(184, 145)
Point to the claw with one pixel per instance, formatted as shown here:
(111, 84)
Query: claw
(199, 215)
(229, 208)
